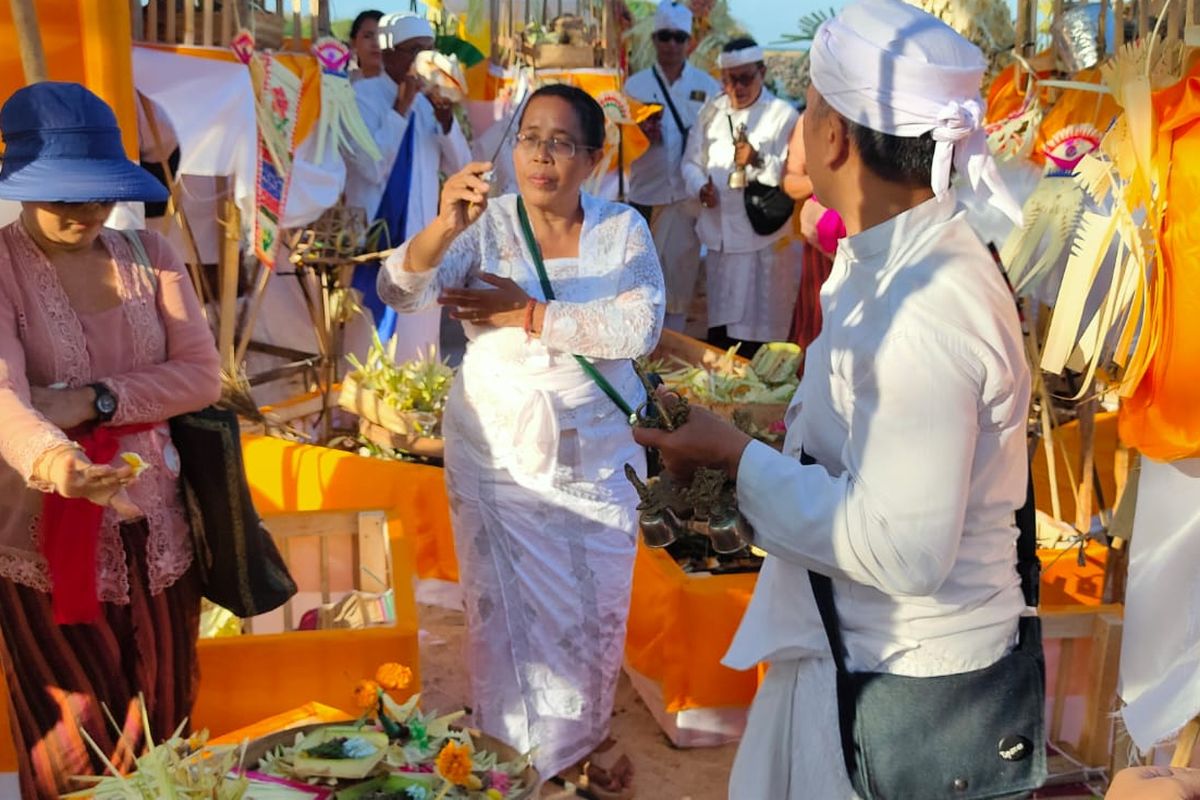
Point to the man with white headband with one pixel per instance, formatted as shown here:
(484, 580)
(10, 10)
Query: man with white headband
(656, 185)
(418, 137)
(905, 457)
(741, 138)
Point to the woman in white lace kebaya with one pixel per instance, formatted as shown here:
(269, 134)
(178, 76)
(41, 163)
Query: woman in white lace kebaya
(545, 522)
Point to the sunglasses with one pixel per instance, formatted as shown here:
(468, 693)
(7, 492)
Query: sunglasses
(741, 79)
(678, 37)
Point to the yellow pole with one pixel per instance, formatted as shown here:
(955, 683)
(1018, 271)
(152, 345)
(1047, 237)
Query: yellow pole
(29, 39)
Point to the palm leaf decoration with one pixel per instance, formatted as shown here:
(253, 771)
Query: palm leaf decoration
(807, 27)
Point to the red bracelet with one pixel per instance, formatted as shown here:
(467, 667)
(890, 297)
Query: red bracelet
(530, 307)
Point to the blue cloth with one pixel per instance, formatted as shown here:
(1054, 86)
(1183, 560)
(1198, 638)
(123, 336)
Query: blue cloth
(393, 210)
(62, 144)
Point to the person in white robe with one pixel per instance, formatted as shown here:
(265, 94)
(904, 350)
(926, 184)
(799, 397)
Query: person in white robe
(394, 108)
(752, 283)
(545, 522)
(913, 406)
(656, 184)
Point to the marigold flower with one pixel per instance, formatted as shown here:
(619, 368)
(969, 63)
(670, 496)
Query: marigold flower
(366, 693)
(454, 763)
(392, 676)
(494, 794)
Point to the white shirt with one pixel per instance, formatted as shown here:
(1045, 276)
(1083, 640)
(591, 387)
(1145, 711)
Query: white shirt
(433, 150)
(710, 152)
(655, 178)
(914, 404)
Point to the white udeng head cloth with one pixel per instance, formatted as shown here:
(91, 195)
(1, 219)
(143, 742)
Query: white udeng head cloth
(891, 67)
(672, 16)
(397, 28)
(737, 58)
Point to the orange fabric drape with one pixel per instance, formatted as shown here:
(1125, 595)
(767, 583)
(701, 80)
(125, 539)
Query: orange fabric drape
(1162, 418)
(1072, 106)
(679, 629)
(84, 42)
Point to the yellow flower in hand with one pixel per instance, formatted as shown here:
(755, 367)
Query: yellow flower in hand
(454, 763)
(392, 676)
(366, 693)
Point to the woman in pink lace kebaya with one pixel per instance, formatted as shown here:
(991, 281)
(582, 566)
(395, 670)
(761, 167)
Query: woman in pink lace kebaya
(98, 349)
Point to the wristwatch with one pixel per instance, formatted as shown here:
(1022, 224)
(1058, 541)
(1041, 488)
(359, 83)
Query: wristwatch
(105, 403)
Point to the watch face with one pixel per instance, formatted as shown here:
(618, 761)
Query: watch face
(106, 404)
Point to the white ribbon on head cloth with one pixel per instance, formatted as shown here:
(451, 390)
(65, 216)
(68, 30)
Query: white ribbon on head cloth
(891, 67)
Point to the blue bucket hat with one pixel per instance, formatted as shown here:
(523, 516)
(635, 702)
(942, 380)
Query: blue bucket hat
(62, 145)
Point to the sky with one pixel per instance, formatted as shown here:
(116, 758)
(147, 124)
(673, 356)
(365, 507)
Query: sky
(767, 20)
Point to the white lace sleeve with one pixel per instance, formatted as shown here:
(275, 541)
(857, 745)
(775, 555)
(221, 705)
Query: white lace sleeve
(625, 326)
(415, 291)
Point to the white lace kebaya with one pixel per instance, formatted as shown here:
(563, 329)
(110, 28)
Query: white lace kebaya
(545, 524)
(609, 307)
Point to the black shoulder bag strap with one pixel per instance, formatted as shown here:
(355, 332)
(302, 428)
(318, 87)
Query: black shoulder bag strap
(671, 105)
(536, 253)
(1028, 567)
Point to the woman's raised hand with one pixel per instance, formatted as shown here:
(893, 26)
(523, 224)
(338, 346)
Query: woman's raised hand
(464, 197)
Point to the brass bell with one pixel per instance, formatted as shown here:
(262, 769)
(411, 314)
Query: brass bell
(660, 528)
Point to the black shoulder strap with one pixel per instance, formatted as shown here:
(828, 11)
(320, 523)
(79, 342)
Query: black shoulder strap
(670, 103)
(1028, 567)
(588, 367)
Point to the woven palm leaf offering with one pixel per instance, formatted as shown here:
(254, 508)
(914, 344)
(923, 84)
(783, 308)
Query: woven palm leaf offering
(669, 508)
(395, 751)
(753, 394)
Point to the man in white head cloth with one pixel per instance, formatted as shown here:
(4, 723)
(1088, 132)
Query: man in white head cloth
(656, 185)
(742, 136)
(418, 138)
(912, 409)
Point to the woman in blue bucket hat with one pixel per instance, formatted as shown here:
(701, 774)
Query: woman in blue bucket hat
(102, 340)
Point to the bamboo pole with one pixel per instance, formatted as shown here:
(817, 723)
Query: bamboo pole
(1102, 33)
(29, 40)
(207, 22)
(1186, 744)
(1087, 464)
(172, 20)
(152, 21)
(203, 290)
(137, 21)
(296, 26)
(1119, 16)
(230, 267)
(189, 22)
(228, 11)
(255, 307)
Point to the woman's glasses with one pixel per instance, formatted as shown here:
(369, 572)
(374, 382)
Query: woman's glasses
(678, 37)
(527, 144)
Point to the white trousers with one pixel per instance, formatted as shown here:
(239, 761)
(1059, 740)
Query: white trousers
(754, 294)
(792, 747)
(673, 227)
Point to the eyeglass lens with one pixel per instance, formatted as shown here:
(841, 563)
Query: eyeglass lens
(558, 148)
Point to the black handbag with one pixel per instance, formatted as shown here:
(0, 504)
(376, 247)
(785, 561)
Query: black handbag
(768, 207)
(978, 735)
(240, 566)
